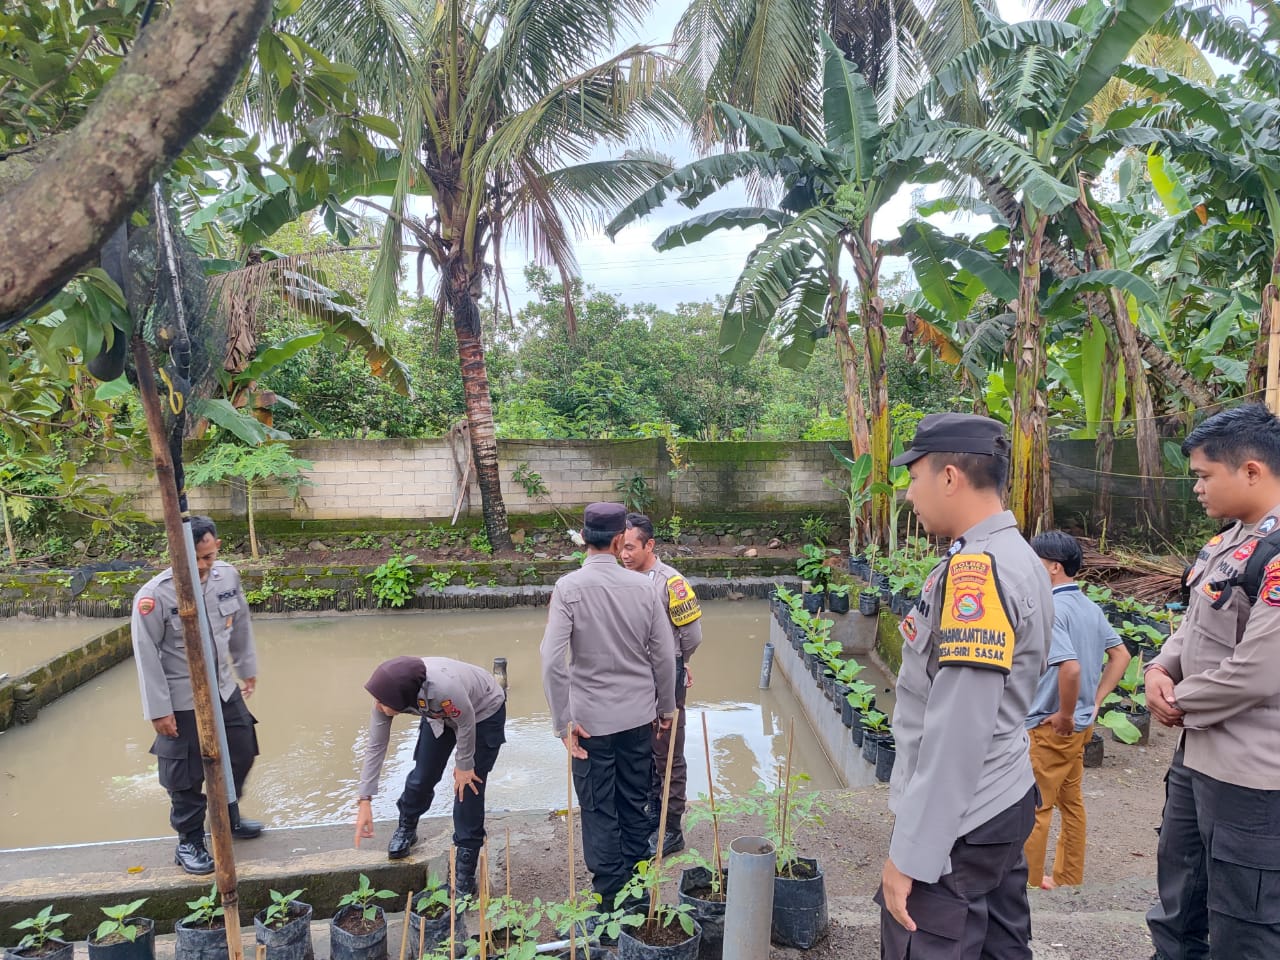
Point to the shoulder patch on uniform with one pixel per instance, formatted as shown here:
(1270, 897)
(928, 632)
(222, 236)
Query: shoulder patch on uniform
(146, 605)
(908, 628)
(682, 602)
(1217, 539)
(422, 704)
(1269, 592)
(1267, 525)
(449, 710)
(975, 629)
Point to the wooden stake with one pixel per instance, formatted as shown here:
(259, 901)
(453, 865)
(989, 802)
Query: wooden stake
(453, 913)
(262, 951)
(711, 793)
(185, 587)
(482, 882)
(662, 818)
(404, 937)
(568, 819)
(508, 946)
(422, 938)
(786, 790)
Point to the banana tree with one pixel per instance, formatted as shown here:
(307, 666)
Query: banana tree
(830, 190)
(1040, 77)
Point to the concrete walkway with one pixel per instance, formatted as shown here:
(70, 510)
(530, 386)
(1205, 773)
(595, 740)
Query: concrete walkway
(320, 859)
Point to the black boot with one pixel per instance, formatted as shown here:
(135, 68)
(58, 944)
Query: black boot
(403, 839)
(673, 843)
(192, 856)
(464, 871)
(242, 828)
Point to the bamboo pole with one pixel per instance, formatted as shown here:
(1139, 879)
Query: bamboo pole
(662, 817)
(453, 914)
(184, 585)
(568, 819)
(482, 884)
(404, 936)
(508, 853)
(711, 793)
(786, 790)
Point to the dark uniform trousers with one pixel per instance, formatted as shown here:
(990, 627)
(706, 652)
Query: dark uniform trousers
(1179, 922)
(182, 770)
(430, 757)
(679, 769)
(979, 909)
(612, 785)
(1240, 833)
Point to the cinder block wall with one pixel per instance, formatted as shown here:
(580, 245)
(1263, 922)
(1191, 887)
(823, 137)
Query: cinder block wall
(417, 479)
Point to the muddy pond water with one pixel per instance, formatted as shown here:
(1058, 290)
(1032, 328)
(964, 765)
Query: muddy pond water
(26, 643)
(82, 772)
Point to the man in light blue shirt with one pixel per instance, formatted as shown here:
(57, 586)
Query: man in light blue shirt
(1060, 721)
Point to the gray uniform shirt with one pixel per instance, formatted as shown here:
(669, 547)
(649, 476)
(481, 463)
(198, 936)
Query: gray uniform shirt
(974, 648)
(456, 695)
(608, 654)
(681, 604)
(159, 648)
(1226, 664)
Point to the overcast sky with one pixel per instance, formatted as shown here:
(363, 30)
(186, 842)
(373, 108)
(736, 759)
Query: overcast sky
(632, 270)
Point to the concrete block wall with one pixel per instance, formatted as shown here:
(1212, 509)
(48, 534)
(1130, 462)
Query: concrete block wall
(417, 479)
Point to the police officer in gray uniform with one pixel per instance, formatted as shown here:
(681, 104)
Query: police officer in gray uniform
(1217, 678)
(160, 652)
(685, 614)
(461, 706)
(608, 670)
(974, 646)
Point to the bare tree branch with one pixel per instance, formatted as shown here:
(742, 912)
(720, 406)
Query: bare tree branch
(171, 84)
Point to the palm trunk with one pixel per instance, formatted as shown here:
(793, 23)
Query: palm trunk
(1106, 441)
(1159, 362)
(1268, 316)
(1145, 428)
(877, 373)
(475, 391)
(1029, 460)
(866, 263)
(253, 530)
(855, 410)
(8, 531)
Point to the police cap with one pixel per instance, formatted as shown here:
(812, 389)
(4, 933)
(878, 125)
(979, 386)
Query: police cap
(955, 433)
(609, 519)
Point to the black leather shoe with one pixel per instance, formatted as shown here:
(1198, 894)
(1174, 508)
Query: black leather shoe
(402, 841)
(192, 857)
(246, 829)
(673, 843)
(242, 828)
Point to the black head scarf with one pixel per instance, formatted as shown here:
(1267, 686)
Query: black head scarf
(396, 682)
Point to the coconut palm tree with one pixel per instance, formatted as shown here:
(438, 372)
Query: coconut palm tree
(495, 109)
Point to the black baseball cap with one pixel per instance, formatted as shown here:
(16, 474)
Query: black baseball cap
(955, 433)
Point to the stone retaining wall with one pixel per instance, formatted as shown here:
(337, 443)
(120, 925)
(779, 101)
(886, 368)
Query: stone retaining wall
(66, 671)
(346, 586)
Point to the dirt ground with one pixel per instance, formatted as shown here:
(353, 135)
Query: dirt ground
(1101, 920)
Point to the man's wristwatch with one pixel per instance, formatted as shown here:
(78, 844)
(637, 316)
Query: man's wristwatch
(364, 800)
